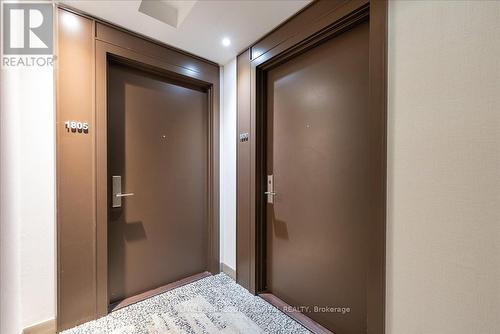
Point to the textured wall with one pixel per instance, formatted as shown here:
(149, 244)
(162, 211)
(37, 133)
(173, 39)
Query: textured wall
(443, 241)
(27, 209)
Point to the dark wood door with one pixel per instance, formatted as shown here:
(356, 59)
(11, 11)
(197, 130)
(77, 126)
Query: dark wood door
(318, 152)
(157, 144)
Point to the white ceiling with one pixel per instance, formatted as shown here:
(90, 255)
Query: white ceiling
(204, 27)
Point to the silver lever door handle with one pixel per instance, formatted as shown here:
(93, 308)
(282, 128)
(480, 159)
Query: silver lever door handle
(270, 189)
(117, 192)
(124, 195)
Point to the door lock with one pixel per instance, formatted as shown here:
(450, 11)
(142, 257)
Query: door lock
(117, 192)
(270, 189)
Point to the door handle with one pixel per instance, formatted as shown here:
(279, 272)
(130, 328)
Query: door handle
(117, 192)
(124, 195)
(270, 189)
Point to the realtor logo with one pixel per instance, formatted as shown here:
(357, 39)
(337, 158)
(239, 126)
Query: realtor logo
(27, 29)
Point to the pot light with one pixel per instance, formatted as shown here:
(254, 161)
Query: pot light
(70, 22)
(226, 41)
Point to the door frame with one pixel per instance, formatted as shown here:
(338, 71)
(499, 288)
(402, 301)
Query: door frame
(112, 42)
(255, 62)
(104, 53)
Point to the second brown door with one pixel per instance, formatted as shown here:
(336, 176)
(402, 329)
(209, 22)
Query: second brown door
(157, 154)
(317, 153)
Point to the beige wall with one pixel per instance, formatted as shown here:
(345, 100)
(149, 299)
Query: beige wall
(443, 241)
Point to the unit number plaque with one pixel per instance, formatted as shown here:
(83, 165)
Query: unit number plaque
(76, 126)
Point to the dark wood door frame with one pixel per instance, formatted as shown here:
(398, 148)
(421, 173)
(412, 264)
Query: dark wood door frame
(313, 25)
(114, 43)
(104, 53)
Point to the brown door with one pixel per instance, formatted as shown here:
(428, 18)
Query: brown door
(157, 150)
(318, 142)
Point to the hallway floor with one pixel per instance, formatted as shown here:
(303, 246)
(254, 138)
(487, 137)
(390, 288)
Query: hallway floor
(215, 304)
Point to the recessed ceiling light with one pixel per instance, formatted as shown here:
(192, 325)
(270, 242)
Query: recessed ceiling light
(226, 41)
(70, 21)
